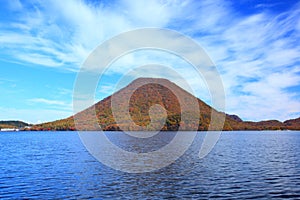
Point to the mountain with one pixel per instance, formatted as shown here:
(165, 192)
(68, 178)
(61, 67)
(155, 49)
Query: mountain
(292, 124)
(142, 94)
(13, 124)
(234, 117)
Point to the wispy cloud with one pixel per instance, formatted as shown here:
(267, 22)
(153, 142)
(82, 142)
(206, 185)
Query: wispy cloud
(260, 63)
(257, 54)
(47, 101)
(106, 89)
(51, 104)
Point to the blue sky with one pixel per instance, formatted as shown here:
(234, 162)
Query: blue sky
(254, 44)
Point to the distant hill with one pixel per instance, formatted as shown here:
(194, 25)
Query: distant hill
(292, 124)
(149, 94)
(13, 124)
(234, 117)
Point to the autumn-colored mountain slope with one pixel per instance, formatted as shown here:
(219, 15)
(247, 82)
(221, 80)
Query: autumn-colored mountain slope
(142, 94)
(152, 92)
(292, 124)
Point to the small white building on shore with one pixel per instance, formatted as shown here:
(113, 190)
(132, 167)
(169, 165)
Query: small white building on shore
(8, 129)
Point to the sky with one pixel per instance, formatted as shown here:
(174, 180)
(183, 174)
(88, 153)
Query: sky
(255, 45)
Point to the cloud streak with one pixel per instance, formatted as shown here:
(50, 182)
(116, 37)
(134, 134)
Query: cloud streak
(257, 54)
(48, 102)
(58, 105)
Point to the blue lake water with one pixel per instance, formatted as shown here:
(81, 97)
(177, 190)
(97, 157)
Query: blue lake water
(243, 165)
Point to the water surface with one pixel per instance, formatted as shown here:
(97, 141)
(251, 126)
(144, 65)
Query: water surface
(243, 165)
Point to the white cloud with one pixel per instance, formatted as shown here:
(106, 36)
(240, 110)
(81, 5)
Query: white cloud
(46, 101)
(106, 89)
(257, 54)
(148, 13)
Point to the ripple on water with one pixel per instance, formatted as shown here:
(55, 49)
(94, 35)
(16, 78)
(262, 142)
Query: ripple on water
(243, 165)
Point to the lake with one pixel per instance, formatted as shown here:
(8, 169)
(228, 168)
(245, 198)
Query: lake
(243, 165)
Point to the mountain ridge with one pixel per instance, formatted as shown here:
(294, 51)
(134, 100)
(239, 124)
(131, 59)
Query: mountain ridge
(14, 124)
(143, 93)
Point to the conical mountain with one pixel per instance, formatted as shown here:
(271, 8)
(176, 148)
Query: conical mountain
(154, 104)
(138, 100)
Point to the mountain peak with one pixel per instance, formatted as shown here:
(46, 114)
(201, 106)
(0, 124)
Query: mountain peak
(145, 80)
(139, 97)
